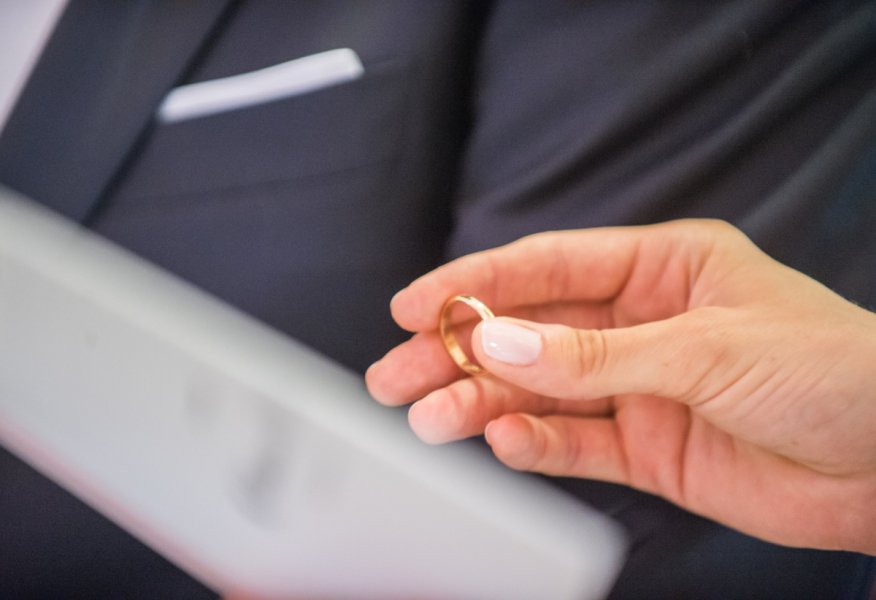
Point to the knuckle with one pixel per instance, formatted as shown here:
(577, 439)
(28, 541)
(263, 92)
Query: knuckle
(589, 349)
(538, 459)
(719, 227)
(708, 230)
(571, 454)
(455, 415)
(706, 345)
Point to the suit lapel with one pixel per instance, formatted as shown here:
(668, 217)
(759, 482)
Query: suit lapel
(93, 93)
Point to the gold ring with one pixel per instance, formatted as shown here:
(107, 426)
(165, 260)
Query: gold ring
(450, 342)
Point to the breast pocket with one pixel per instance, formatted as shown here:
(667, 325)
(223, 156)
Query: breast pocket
(343, 127)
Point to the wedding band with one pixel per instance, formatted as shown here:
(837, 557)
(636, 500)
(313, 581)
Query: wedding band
(449, 339)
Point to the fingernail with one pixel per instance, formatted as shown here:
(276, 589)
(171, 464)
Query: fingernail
(510, 343)
(487, 430)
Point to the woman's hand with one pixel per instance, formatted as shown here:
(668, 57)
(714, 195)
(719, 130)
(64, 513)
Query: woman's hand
(675, 358)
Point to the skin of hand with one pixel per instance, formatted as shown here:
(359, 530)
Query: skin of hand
(676, 358)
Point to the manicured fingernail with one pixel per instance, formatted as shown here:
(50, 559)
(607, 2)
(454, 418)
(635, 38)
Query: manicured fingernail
(510, 343)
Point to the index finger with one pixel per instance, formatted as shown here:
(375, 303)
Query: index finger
(592, 264)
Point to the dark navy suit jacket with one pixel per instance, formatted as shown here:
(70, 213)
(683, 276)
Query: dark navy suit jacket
(474, 124)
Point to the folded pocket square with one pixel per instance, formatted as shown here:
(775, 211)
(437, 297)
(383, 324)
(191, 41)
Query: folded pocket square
(290, 78)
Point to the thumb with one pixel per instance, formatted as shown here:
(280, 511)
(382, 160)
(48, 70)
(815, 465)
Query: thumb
(676, 358)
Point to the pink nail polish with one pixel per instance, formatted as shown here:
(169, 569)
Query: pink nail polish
(510, 343)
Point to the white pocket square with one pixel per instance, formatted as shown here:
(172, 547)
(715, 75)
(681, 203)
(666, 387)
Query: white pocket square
(291, 78)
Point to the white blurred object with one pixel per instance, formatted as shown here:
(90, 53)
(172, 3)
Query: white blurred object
(252, 462)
